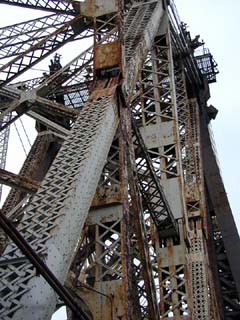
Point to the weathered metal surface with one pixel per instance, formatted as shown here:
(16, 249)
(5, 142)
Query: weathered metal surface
(108, 189)
(110, 254)
(38, 263)
(97, 274)
(103, 197)
(107, 55)
(194, 198)
(128, 284)
(141, 26)
(140, 227)
(13, 180)
(156, 111)
(34, 167)
(30, 169)
(224, 229)
(152, 192)
(183, 45)
(51, 107)
(49, 124)
(106, 300)
(98, 258)
(102, 88)
(87, 147)
(95, 8)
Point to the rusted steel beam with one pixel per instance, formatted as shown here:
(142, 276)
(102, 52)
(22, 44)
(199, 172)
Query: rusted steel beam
(15, 181)
(137, 209)
(12, 120)
(157, 205)
(42, 106)
(126, 234)
(33, 168)
(219, 201)
(48, 106)
(58, 129)
(41, 267)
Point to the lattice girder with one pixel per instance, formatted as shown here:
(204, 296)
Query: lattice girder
(147, 47)
(17, 38)
(58, 6)
(78, 160)
(155, 109)
(39, 50)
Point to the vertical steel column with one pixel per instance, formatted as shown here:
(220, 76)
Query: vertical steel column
(196, 206)
(175, 273)
(122, 269)
(126, 234)
(137, 207)
(156, 109)
(222, 229)
(203, 291)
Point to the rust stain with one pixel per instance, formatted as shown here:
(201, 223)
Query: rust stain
(192, 192)
(101, 200)
(108, 55)
(13, 180)
(104, 88)
(95, 8)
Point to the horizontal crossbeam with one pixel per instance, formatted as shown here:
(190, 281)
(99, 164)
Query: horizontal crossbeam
(13, 180)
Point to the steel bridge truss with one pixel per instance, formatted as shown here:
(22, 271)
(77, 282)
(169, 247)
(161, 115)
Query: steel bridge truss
(114, 208)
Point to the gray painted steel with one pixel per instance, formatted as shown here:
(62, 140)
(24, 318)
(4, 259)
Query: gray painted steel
(54, 221)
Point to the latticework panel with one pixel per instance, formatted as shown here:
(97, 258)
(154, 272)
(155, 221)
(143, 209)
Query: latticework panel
(128, 204)
(173, 288)
(155, 110)
(46, 220)
(199, 280)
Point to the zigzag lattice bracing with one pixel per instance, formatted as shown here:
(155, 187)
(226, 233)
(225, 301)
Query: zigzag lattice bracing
(126, 214)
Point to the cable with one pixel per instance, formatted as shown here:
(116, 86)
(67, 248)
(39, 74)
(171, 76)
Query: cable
(25, 132)
(20, 139)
